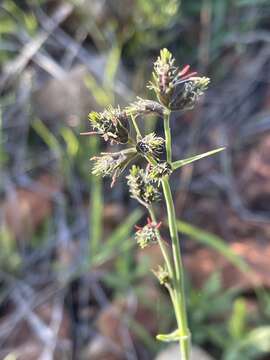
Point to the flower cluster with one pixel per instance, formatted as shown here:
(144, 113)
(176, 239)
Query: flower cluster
(151, 145)
(141, 187)
(189, 91)
(147, 235)
(162, 275)
(112, 164)
(145, 107)
(176, 89)
(111, 124)
(160, 170)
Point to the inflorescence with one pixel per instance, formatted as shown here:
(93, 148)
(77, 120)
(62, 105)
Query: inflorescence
(142, 187)
(175, 90)
(147, 235)
(112, 124)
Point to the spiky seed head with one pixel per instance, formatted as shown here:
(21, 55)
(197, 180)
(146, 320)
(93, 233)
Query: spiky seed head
(146, 237)
(151, 145)
(111, 124)
(112, 164)
(176, 89)
(141, 187)
(160, 170)
(145, 107)
(163, 75)
(188, 92)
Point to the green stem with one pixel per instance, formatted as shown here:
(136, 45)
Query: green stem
(168, 137)
(161, 244)
(169, 265)
(179, 304)
(136, 127)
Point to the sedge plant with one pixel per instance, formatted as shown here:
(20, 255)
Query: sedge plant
(175, 90)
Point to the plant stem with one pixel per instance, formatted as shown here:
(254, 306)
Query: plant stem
(161, 244)
(179, 303)
(168, 137)
(136, 127)
(167, 259)
(179, 276)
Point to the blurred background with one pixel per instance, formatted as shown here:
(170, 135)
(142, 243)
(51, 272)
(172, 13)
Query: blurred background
(73, 284)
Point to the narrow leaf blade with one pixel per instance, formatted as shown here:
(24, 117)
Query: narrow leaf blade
(180, 163)
(213, 241)
(118, 240)
(173, 336)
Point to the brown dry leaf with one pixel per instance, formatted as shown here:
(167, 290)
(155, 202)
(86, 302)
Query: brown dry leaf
(201, 263)
(23, 210)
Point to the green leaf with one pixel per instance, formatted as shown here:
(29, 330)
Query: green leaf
(48, 137)
(173, 336)
(141, 332)
(213, 241)
(7, 25)
(102, 96)
(259, 338)
(71, 140)
(238, 319)
(212, 286)
(123, 231)
(256, 343)
(180, 163)
(112, 65)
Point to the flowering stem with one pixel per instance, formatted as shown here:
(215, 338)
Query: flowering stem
(161, 244)
(169, 265)
(168, 136)
(136, 127)
(175, 90)
(179, 303)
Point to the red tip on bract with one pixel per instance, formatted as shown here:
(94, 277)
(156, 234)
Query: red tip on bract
(194, 73)
(184, 73)
(113, 181)
(151, 224)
